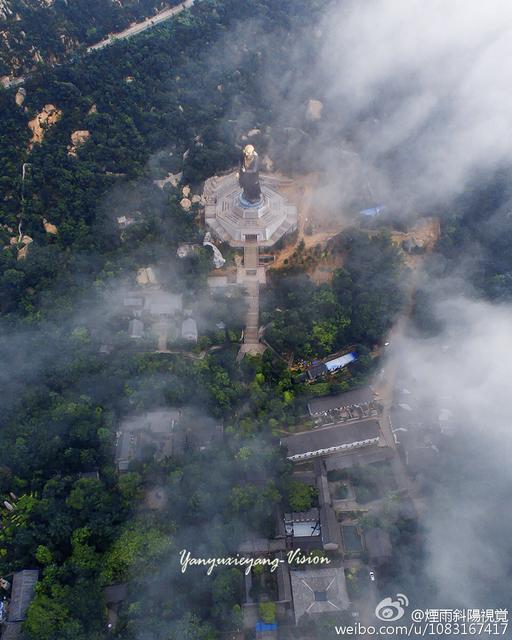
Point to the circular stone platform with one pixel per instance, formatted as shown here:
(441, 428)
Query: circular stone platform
(238, 223)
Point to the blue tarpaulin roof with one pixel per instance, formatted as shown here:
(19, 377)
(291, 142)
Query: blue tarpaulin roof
(372, 211)
(264, 626)
(338, 363)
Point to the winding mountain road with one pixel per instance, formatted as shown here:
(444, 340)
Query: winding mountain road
(139, 27)
(133, 30)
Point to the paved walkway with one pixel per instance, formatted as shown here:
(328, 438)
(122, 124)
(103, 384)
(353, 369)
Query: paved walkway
(161, 329)
(253, 313)
(249, 278)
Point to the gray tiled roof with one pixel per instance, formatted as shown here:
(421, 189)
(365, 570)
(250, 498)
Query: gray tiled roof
(136, 328)
(348, 399)
(318, 591)
(321, 440)
(189, 329)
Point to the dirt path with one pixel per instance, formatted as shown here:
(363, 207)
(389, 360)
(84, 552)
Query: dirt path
(301, 192)
(424, 235)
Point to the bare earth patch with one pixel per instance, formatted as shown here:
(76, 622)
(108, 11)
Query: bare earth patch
(424, 235)
(320, 228)
(49, 227)
(78, 138)
(45, 119)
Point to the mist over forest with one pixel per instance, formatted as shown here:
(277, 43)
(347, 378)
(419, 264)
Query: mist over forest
(399, 109)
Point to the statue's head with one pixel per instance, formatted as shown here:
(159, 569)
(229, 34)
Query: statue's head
(249, 151)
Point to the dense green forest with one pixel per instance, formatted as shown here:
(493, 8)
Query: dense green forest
(171, 109)
(474, 253)
(36, 32)
(316, 320)
(176, 99)
(479, 226)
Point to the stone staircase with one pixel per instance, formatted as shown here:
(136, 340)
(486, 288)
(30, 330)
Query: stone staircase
(251, 342)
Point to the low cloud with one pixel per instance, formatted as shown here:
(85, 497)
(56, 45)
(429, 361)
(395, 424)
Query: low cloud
(421, 91)
(465, 370)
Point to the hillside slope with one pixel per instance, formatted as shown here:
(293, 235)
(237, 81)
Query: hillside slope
(35, 31)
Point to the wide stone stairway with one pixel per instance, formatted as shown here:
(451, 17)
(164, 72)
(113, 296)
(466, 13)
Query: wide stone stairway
(249, 278)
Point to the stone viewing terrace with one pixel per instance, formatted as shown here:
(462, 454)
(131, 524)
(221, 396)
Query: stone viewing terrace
(263, 223)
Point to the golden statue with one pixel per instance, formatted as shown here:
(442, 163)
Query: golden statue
(249, 175)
